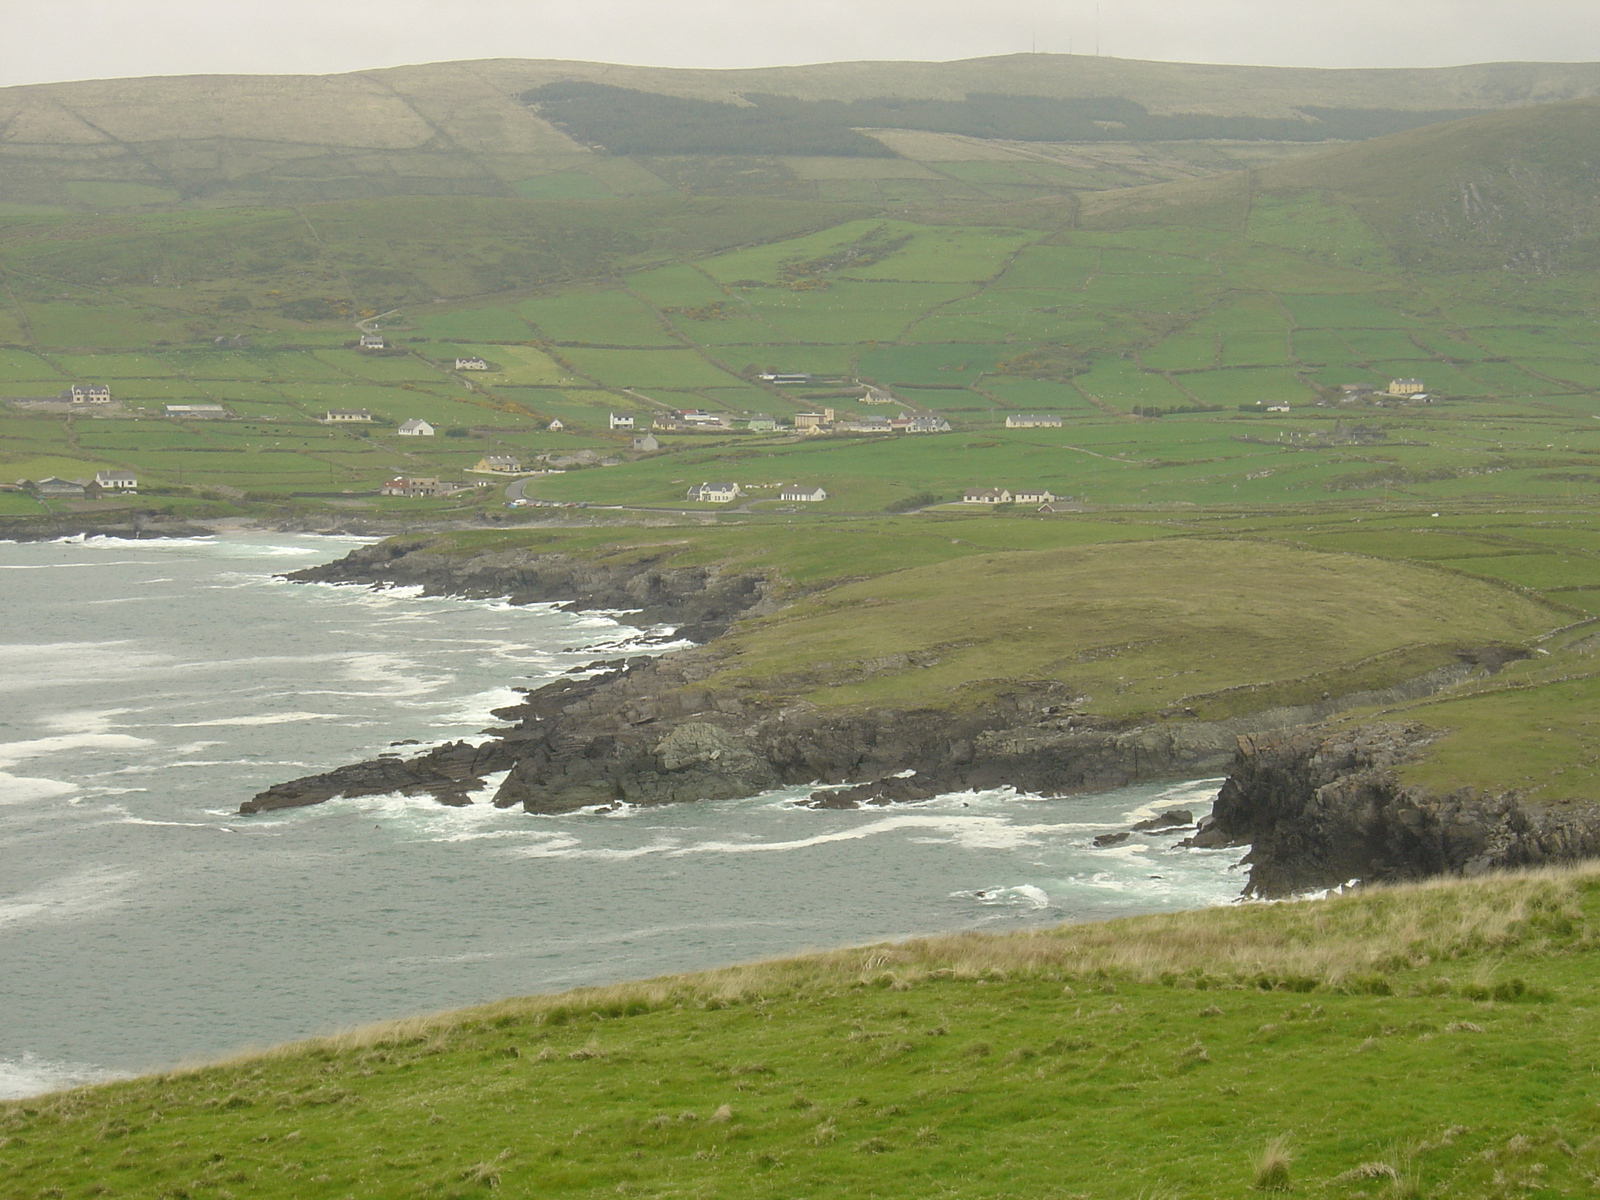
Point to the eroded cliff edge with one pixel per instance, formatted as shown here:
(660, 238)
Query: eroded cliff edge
(659, 730)
(645, 731)
(1321, 807)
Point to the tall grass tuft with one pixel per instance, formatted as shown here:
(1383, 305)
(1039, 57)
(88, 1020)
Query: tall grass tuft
(1272, 1167)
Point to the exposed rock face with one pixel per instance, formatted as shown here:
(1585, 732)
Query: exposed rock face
(701, 601)
(1322, 808)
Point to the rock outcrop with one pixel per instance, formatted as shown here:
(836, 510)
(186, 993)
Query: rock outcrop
(1321, 808)
(700, 601)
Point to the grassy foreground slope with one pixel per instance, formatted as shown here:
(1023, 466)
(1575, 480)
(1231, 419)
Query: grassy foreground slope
(1420, 1041)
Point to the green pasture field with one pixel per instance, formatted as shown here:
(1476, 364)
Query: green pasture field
(850, 312)
(19, 504)
(22, 365)
(1027, 395)
(1152, 293)
(1306, 225)
(58, 324)
(1246, 385)
(603, 318)
(764, 262)
(645, 369)
(1054, 268)
(1109, 619)
(97, 367)
(938, 364)
(385, 369)
(1120, 383)
(1584, 376)
(945, 255)
(16, 464)
(1254, 349)
(519, 365)
(1187, 351)
(494, 324)
(681, 285)
(1344, 311)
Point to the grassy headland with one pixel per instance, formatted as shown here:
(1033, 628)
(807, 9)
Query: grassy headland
(1418, 1041)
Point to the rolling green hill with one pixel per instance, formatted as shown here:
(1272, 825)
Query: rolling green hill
(506, 127)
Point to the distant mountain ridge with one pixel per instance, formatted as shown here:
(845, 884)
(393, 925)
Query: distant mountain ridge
(468, 128)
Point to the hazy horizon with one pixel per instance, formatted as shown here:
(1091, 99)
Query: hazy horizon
(55, 41)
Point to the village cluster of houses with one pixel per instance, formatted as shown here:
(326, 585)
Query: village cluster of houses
(727, 493)
(991, 495)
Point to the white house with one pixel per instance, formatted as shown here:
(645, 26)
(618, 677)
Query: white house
(416, 427)
(806, 495)
(1277, 408)
(555, 425)
(117, 481)
(372, 341)
(1033, 496)
(865, 425)
(346, 416)
(196, 411)
(986, 496)
(87, 393)
(761, 423)
(621, 421)
(1033, 421)
(471, 364)
(927, 425)
(715, 493)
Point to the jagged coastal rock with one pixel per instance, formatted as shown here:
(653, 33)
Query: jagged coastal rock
(1320, 808)
(645, 730)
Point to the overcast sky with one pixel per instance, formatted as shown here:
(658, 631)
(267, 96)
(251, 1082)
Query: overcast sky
(43, 41)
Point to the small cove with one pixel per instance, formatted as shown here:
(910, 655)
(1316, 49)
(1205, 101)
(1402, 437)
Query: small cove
(149, 687)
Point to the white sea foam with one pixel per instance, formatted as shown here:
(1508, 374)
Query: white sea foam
(25, 789)
(1022, 895)
(70, 897)
(74, 664)
(12, 753)
(287, 718)
(31, 1076)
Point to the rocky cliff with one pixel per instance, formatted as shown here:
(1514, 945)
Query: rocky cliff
(1320, 808)
(648, 731)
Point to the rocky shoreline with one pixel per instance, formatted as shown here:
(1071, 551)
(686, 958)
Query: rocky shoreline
(644, 731)
(1322, 808)
(1317, 809)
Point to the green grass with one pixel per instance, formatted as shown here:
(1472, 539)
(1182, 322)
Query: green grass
(1426, 1033)
(1109, 622)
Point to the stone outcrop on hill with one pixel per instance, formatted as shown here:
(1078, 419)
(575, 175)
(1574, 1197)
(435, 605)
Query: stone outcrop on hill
(1320, 808)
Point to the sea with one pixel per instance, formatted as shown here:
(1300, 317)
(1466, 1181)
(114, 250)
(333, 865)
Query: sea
(147, 688)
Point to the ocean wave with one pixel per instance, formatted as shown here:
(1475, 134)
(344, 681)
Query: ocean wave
(259, 719)
(1022, 895)
(26, 789)
(28, 1076)
(70, 897)
(12, 753)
